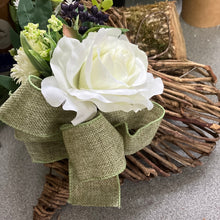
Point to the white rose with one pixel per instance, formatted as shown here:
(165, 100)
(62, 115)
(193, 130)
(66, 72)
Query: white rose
(104, 71)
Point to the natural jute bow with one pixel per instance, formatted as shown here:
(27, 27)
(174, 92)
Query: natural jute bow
(95, 149)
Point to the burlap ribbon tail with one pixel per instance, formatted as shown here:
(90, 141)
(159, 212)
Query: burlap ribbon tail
(95, 149)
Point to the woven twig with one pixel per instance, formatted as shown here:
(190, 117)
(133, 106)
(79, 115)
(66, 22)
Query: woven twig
(55, 193)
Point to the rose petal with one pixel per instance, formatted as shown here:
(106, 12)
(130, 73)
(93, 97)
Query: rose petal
(67, 62)
(56, 97)
(126, 107)
(84, 110)
(51, 92)
(153, 87)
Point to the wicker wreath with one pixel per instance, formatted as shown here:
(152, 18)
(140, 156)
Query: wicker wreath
(190, 127)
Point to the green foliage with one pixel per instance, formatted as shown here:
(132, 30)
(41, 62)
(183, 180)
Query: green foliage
(13, 13)
(8, 83)
(104, 5)
(56, 3)
(25, 12)
(53, 38)
(42, 12)
(3, 96)
(76, 29)
(94, 2)
(39, 63)
(39, 13)
(15, 39)
(62, 20)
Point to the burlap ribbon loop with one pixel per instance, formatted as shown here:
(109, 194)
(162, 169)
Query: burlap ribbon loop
(27, 110)
(96, 149)
(140, 128)
(37, 123)
(96, 158)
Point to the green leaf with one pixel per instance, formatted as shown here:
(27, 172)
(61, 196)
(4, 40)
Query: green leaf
(8, 83)
(56, 3)
(76, 24)
(93, 29)
(15, 39)
(38, 62)
(42, 12)
(76, 29)
(3, 96)
(124, 30)
(13, 13)
(106, 4)
(52, 42)
(94, 2)
(56, 9)
(61, 19)
(53, 39)
(25, 12)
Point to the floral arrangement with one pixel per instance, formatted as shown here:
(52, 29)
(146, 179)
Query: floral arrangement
(79, 90)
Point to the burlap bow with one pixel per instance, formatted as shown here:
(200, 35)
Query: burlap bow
(95, 149)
